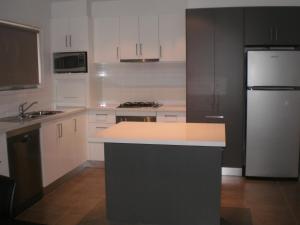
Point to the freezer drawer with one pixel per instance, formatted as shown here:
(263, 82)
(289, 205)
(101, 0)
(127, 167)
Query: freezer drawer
(273, 68)
(272, 139)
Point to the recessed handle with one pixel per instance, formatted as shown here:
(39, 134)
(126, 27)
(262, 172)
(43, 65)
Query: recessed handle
(141, 49)
(214, 117)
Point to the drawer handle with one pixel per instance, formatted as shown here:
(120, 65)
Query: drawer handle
(101, 127)
(71, 97)
(170, 115)
(101, 114)
(214, 117)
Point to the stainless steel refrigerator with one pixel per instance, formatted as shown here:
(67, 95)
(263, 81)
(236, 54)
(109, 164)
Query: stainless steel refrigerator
(273, 114)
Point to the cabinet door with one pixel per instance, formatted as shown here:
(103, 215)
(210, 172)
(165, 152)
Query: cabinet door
(79, 139)
(60, 35)
(287, 25)
(229, 81)
(148, 35)
(4, 170)
(78, 29)
(129, 37)
(106, 39)
(51, 154)
(259, 26)
(172, 37)
(200, 64)
(66, 146)
(71, 92)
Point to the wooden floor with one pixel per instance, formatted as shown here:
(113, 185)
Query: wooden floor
(81, 201)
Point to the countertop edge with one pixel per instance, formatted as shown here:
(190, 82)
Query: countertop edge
(220, 144)
(9, 126)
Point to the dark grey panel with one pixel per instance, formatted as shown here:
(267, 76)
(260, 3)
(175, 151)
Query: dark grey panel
(160, 184)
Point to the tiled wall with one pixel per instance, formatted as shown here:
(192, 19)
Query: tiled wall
(162, 82)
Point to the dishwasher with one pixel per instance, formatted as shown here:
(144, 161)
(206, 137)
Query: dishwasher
(24, 158)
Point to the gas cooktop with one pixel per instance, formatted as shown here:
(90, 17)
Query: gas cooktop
(139, 105)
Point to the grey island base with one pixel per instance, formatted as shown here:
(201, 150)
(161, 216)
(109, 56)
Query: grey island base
(162, 184)
(152, 181)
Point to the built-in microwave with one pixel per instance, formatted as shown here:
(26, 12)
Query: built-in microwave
(70, 62)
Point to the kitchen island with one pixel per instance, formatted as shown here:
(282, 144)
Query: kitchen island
(163, 173)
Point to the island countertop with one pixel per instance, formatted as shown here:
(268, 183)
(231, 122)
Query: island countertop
(190, 134)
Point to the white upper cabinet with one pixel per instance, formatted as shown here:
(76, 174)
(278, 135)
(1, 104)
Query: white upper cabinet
(139, 37)
(129, 37)
(172, 37)
(106, 40)
(69, 34)
(149, 41)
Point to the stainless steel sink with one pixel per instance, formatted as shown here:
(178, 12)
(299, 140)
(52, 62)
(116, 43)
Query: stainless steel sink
(30, 116)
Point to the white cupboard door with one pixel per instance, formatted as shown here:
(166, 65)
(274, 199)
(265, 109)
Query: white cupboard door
(106, 40)
(60, 35)
(4, 170)
(172, 37)
(96, 151)
(80, 141)
(51, 153)
(129, 37)
(149, 38)
(66, 146)
(78, 40)
(70, 92)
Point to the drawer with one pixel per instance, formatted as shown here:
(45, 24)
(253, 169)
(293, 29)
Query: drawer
(93, 128)
(171, 117)
(103, 117)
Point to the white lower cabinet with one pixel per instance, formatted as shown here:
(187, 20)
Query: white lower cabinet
(4, 169)
(96, 151)
(97, 121)
(63, 147)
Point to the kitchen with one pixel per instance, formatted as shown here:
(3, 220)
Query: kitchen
(109, 83)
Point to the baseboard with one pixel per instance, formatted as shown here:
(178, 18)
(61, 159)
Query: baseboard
(227, 171)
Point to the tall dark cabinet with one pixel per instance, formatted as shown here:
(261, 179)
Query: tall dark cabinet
(267, 26)
(215, 74)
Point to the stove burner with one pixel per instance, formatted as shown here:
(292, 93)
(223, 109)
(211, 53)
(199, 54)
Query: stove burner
(139, 105)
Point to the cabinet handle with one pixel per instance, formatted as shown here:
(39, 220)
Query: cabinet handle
(117, 52)
(59, 128)
(70, 41)
(276, 34)
(75, 125)
(214, 117)
(141, 49)
(66, 41)
(136, 49)
(271, 33)
(171, 116)
(160, 51)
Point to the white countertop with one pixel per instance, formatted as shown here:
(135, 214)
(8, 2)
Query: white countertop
(9, 126)
(192, 134)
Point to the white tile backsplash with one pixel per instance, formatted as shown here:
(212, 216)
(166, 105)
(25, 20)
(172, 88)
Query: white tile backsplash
(162, 82)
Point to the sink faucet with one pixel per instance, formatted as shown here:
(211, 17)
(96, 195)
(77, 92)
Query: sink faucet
(22, 110)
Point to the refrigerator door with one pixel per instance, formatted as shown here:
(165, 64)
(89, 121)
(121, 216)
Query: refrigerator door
(272, 141)
(273, 68)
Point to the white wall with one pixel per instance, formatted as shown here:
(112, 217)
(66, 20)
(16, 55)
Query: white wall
(35, 13)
